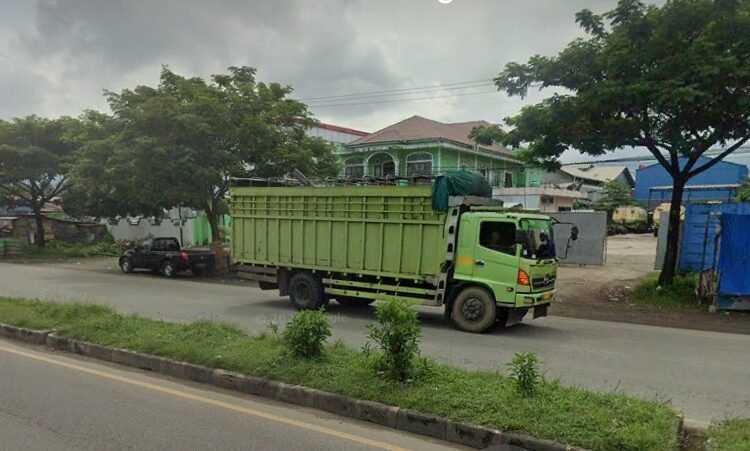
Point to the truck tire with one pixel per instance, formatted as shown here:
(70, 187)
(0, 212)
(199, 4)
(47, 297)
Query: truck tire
(126, 265)
(306, 292)
(168, 269)
(474, 310)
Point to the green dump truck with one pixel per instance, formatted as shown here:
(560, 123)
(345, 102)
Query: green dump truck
(358, 244)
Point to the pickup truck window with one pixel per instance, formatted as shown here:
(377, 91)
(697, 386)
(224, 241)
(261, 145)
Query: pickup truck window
(144, 246)
(166, 244)
(498, 236)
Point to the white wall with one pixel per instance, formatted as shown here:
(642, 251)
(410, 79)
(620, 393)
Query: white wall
(123, 230)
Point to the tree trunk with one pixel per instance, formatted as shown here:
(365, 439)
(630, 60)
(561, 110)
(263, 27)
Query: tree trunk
(213, 222)
(39, 235)
(673, 233)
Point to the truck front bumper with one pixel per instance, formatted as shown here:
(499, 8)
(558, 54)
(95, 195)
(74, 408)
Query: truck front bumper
(534, 299)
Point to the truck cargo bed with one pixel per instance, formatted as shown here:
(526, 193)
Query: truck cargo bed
(388, 231)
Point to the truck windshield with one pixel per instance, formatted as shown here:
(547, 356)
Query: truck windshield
(536, 238)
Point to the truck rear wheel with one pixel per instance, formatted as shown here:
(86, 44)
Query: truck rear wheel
(474, 310)
(306, 292)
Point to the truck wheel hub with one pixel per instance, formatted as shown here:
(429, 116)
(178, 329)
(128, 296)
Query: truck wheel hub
(473, 309)
(303, 293)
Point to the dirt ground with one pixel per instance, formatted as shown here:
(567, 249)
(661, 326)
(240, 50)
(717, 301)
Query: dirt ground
(601, 292)
(586, 292)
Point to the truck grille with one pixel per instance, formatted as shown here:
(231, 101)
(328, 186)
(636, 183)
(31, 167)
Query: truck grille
(543, 283)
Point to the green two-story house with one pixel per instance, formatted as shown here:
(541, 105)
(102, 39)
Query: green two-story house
(421, 146)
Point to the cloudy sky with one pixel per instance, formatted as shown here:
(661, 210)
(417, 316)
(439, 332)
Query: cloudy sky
(56, 56)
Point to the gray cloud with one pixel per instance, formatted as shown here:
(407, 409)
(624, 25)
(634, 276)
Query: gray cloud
(58, 55)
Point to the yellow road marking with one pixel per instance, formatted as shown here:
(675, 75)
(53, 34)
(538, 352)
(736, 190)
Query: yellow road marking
(203, 399)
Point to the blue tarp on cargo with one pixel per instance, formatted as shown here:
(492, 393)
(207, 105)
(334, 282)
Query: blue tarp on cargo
(458, 183)
(734, 256)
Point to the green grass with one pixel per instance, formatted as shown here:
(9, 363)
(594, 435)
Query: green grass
(732, 435)
(57, 249)
(680, 295)
(569, 415)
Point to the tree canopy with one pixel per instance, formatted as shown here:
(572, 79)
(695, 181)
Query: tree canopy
(673, 79)
(33, 154)
(614, 194)
(180, 142)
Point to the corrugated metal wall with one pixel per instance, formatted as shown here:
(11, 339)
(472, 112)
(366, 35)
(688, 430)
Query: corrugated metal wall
(655, 175)
(699, 233)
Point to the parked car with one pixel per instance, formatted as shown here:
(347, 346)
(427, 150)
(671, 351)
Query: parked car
(164, 256)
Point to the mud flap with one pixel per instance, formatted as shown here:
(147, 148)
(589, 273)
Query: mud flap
(540, 311)
(515, 315)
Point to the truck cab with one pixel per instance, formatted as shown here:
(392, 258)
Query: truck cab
(506, 262)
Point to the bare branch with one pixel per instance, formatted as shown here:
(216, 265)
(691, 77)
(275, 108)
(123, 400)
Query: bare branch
(719, 157)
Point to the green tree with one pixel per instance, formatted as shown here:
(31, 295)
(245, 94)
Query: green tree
(614, 194)
(98, 186)
(32, 161)
(674, 79)
(743, 195)
(180, 142)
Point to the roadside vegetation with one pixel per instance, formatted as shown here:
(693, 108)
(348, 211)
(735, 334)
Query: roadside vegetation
(596, 421)
(732, 435)
(681, 294)
(60, 249)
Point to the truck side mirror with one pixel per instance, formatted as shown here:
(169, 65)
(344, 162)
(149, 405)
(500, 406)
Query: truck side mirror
(574, 233)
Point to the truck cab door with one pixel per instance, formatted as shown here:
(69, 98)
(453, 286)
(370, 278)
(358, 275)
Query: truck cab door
(495, 260)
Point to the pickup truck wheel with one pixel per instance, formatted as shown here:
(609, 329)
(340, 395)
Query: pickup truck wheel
(198, 272)
(474, 310)
(306, 292)
(126, 265)
(168, 269)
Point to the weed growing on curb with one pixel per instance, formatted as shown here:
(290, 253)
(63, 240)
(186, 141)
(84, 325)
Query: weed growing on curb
(524, 369)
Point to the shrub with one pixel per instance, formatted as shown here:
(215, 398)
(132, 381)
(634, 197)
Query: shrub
(306, 333)
(524, 369)
(397, 334)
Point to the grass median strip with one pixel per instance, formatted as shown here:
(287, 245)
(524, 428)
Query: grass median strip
(567, 415)
(732, 435)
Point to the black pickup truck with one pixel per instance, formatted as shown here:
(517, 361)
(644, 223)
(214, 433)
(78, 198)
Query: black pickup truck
(163, 255)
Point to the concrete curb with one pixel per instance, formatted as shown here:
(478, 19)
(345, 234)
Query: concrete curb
(403, 419)
(34, 337)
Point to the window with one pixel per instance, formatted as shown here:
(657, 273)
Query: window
(354, 167)
(508, 180)
(419, 164)
(382, 165)
(498, 236)
(145, 246)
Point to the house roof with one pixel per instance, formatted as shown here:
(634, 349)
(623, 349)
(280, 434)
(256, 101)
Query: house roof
(418, 128)
(599, 174)
(337, 128)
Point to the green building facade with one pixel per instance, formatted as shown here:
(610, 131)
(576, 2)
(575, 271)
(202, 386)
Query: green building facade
(420, 146)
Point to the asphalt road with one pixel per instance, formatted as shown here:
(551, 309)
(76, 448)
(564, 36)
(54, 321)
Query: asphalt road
(703, 374)
(56, 401)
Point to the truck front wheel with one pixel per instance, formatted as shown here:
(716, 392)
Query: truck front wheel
(474, 310)
(306, 292)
